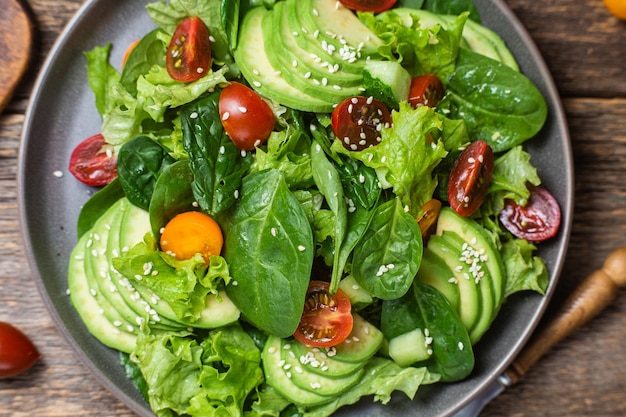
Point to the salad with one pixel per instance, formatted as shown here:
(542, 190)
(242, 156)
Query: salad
(304, 203)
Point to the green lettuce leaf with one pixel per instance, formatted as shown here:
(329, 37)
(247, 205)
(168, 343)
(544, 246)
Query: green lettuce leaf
(101, 76)
(420, 51)
(407, 155)
(210, 376)
(287, 150)
(183, 285)
(381, 378)
(523, 270)
(512, 172)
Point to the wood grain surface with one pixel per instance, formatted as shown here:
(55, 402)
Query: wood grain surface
(584, 375)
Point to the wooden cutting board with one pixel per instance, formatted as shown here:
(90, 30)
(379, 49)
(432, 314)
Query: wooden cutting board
(16, 41)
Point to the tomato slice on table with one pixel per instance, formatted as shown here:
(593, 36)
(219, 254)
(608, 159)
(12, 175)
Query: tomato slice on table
(425, 90)
(357, 122)
(470, 178)
(188, 56)
(17, 352)
(247, 119)
(93, 161)
(537, 221)
(327, 319)
(375, 6)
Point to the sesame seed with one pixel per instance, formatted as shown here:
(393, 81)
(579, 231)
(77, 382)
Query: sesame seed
(58, 174)
(226, 115)
(257, 84)
(301, 248)
(243, 109)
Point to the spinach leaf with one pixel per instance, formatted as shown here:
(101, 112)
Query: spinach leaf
(268, 244)
(230, 13)
(329, 183)
(95, 207)
(388, 256)
(139, 163)
(148, 52)
(217, 164)
(172, 195)
(360, 183)
(425, 308)
(499, 105)
(454, 7)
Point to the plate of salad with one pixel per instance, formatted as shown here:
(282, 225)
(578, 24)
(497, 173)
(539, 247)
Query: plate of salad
(295, 208)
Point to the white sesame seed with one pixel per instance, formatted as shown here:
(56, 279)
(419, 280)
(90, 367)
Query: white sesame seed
(58, 174)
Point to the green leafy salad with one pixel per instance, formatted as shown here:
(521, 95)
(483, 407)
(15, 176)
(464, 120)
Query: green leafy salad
(306, 203)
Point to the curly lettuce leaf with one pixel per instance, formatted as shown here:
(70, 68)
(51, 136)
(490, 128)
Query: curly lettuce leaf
(212, 376)
(524, 271)
(407, 156)
(101, 76)
(419, 50)
(183, 285)
(381, 378)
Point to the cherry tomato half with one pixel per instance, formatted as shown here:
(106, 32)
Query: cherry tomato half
(375, 6)
(17, 352)
(192, 232)
(247, 119)
(470, 178)
(327, 319)
(93, 161)
(357, 122)
(537, 221)
(188, 56)
(426, 90)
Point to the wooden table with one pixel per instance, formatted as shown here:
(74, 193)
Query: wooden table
(585, 48)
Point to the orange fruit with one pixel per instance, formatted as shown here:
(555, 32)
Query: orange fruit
(616, 7)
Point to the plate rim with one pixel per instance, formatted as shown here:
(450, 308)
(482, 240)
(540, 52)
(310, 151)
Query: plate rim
(141, 408)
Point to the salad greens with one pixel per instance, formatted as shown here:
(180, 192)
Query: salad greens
(299, 201)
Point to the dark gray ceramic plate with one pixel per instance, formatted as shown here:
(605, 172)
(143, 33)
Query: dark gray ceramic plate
(62, 113)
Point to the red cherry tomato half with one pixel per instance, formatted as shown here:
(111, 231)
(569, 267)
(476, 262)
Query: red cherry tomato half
(327, 319)
(93, 161)
(470, 178)
(188, 56)
(426, 90)
(375, 6)
(17, 352)
(357, 122)
(247, 119)
(537, 221)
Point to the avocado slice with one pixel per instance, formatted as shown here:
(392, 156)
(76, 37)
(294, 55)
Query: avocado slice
(256, 68)
(87, 301)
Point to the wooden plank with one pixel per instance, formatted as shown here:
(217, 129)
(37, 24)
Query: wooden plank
(584, 45)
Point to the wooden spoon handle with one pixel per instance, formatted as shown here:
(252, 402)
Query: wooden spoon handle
(596, 292)
(16, 43)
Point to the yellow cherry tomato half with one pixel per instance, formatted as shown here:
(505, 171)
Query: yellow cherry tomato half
(192, 232)
(617, 7)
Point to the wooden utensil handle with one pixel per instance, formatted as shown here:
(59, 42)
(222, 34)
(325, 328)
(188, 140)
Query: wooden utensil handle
(596, 292)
